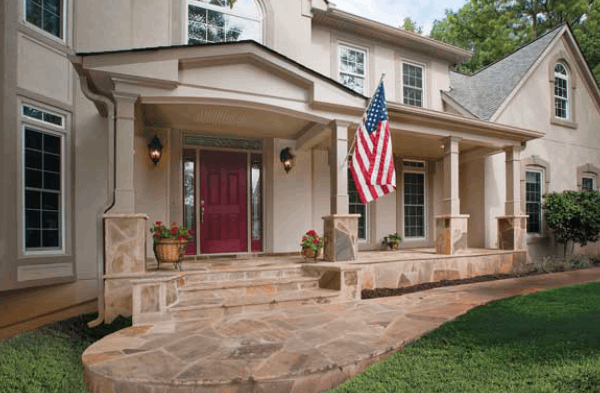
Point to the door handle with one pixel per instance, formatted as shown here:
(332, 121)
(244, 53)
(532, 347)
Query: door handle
(201, 212)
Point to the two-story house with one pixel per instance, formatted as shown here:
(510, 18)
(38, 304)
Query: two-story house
(87, 86)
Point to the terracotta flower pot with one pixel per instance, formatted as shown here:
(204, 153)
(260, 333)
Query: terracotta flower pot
(394, 246)
(309, 253)
(170, 250)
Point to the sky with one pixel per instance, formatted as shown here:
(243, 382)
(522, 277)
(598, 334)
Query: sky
(393, 12)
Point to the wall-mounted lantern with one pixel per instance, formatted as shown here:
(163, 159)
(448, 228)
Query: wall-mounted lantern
(287, 159)
(155, 149)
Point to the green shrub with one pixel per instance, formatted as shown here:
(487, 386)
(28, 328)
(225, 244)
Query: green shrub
(579, 264)
(573, 216)
(595, 260)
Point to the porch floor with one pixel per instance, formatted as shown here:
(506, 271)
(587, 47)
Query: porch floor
(304, 349)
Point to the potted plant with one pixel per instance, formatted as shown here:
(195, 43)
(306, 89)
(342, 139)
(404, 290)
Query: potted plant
(392, 241)
(170, 242)
(311, 244)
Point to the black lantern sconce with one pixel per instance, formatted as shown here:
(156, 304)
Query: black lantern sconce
(155, 150)
(287, 159)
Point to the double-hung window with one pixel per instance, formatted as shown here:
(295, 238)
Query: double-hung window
(561, 92)
(412, 84)
(47, 15)
(43, 179)
(210, 21)
(414, 199)
(352, 68)
(533, 201)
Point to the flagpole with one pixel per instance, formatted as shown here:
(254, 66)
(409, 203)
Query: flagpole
(370, 101)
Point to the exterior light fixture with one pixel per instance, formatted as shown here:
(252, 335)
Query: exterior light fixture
(155, 149)
(287, 159)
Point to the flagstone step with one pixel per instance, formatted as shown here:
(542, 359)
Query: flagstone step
(245, 274)
(214, 307)
(227, 289)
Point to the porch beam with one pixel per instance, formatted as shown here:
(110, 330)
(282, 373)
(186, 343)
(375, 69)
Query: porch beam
(312, 136)
(124, 134)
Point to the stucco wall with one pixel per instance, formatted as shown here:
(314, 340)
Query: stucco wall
(565, 148)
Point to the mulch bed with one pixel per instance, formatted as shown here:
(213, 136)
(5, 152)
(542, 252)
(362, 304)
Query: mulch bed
(386, 292)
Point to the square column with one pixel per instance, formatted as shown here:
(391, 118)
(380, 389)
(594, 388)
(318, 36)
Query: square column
(451, 226)
(124, 154)
(513, 225)
(341, 228)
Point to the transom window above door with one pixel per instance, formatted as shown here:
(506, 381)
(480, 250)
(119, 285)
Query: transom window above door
(210, 21)
(352, 68)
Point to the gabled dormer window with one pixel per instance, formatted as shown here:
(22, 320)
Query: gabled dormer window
(210, 21)
(561, 91)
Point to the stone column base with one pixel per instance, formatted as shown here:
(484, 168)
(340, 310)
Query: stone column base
(452, 234)
(511, 232)
(125, 243)
(341, 237)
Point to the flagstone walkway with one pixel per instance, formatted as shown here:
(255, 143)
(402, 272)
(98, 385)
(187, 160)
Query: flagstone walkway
(301, 350)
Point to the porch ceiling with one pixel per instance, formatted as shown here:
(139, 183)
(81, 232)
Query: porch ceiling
(236, 121)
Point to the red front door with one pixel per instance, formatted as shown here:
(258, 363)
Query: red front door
(224, 201)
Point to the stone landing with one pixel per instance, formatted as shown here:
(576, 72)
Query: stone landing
(308, 349)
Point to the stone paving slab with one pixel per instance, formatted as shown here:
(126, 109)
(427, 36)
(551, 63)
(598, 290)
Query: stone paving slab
(300, 350)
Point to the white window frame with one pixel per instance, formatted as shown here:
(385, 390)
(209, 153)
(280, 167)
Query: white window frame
(63, 39)
(590, 177)
(227, 12)
(565, 77)
(355, 48)
(542, 188)
(422, 171)
(58, 131)
(423, 77)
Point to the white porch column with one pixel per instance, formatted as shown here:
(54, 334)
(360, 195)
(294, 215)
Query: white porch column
(124, 154)
(452, 227)
(339, 167)
(341, 228)
(513, 225)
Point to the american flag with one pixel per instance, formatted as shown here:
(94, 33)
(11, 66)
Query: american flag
(372, 164)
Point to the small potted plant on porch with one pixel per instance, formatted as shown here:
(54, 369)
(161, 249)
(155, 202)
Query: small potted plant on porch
(392, 241)
(311, 244)
(170, 242)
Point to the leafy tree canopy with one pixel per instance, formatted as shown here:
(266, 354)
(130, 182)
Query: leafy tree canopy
(494, 28)
(410, 25)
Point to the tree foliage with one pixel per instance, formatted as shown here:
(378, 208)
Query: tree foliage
(494, 28)
(573, 216)
(410, 25)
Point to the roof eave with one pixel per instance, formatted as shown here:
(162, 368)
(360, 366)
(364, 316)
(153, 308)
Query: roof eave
(415, 41)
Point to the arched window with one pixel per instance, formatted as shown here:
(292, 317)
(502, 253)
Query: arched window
(211, 21)
(561, 91)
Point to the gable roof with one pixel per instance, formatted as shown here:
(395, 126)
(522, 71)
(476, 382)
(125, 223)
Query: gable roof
(484, 92)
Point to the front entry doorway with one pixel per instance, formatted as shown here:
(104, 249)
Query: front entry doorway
(222, 199)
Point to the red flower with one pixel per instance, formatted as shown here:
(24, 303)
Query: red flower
(158, 223)
(312, 233)
(180, 238)
(304, 239)
(315, 241)
(191, 232)
(174, 231)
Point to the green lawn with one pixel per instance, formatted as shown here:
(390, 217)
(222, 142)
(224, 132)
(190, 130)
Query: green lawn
(543, 342)
(47, 360)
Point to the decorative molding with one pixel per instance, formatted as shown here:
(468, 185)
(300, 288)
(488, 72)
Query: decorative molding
(589, 169)
(42, 272)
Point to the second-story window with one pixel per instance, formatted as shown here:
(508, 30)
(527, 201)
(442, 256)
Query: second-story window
(210, 21)
(561, 94)
(412, 84)
(352, 66)
(47, 15)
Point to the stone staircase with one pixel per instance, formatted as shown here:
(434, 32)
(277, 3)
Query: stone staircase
(214, 294)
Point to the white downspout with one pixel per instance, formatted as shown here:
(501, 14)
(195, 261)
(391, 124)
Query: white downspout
(111, 173)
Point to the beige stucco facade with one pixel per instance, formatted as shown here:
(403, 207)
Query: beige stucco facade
(283, 92)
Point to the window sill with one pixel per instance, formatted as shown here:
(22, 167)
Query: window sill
(563, 123)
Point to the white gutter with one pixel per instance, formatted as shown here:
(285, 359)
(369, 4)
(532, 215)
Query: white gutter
(110, 179)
